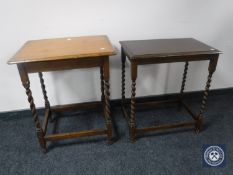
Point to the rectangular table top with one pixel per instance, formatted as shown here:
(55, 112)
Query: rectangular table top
(63, 48)
(165, 48)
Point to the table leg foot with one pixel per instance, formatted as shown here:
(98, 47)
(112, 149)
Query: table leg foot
(110, 142)
(42, 141)
(132, 134)
(198, 125)
(44, 150)
(109, 133)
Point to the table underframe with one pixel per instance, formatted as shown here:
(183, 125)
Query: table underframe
(135, 62)
(41, 127)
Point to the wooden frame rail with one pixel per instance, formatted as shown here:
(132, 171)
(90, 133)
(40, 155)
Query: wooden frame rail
(55, 137)
(165, 126)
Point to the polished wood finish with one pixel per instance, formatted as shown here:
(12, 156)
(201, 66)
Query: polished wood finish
(63, 48)
(162, 48)
(67, 64)
(141, 52)
(64, 54)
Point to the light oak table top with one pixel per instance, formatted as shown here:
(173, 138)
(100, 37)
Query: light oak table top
(63, 48)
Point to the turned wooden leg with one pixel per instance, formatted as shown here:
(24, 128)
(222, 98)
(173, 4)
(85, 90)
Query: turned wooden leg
(107, 112)
(26, 84)
(212, 68)
(47, 104)
(102, 83)
(132, 122)
(102, 87)
(184, 79)
(123, 57)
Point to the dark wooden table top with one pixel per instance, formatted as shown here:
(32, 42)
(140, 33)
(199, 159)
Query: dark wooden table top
(165, 48)
(63, 48)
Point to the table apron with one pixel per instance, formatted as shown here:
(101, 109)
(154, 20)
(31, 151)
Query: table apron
(173, 59)
(48, 66)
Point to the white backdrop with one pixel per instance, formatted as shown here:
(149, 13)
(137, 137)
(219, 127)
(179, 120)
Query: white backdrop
(210, 21)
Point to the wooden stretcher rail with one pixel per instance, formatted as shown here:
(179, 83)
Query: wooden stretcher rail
(62, 136)
(160, 127)
(69, 107)
(155, 103)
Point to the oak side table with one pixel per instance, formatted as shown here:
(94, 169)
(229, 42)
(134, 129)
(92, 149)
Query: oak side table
(156, 51)
(63, 54)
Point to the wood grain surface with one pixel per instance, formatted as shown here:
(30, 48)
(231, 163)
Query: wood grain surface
(63, 48)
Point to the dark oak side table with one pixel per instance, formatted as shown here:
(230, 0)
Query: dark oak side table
(63, 54)
(156, 51)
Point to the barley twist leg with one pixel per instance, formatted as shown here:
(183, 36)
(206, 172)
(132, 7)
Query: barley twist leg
(47, 104)
(107, 108)
(199, 120)
(132, 113)
(184, 78)
(132, 122)
(123, 76)
(212, 68)
(39, 131)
